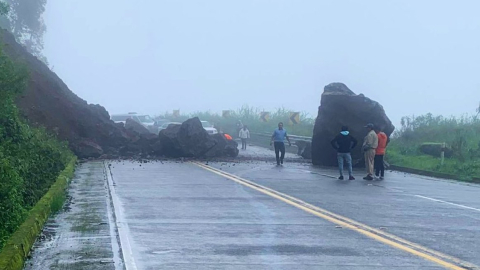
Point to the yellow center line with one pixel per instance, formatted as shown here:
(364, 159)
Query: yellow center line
(447, 261)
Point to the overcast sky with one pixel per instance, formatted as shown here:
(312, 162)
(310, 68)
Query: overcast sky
(151, 56)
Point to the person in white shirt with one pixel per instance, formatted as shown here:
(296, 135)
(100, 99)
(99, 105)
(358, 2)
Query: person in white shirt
(244, 134)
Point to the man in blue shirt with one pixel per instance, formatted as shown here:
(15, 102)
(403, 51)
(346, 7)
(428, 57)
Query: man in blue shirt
(278, 138)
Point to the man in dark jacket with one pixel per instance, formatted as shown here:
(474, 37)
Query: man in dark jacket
(344, 143)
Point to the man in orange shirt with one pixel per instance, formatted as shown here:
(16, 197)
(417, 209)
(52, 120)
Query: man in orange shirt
(383, 141)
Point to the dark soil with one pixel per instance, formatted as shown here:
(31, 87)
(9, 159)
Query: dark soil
(48, 102)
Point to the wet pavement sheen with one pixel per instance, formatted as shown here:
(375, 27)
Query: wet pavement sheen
(183, 217)
(176, 215)
(80, 236)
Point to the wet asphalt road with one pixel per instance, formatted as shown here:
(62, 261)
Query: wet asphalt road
(180, 216)
(81, 236)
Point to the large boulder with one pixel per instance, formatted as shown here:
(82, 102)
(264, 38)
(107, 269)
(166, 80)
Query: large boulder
(168, 141)
(133, 125)
(435, 149)
(339, 107)
(231, 149)
(187, 140)
(223, 147)
(219, 149)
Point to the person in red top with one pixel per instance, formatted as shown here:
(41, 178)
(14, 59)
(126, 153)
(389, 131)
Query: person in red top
(383, 141)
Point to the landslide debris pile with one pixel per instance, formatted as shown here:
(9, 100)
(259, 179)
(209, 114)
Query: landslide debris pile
(48, 102)
(339, 107)
(191, 140)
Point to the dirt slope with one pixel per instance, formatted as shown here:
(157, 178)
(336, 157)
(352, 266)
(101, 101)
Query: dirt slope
(50, 103)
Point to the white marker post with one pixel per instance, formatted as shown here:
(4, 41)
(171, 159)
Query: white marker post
(442, 154)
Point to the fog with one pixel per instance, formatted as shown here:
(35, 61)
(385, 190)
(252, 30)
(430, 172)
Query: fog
(153, 56)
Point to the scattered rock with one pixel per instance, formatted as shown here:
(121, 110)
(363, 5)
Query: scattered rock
(342, 107)
(304, 149)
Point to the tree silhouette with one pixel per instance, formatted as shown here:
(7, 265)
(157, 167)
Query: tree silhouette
(24, 20)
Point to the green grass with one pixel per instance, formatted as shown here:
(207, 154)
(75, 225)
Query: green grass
(465, 170)
(461, 135)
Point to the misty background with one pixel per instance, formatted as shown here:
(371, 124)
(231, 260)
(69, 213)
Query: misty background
(152, 56)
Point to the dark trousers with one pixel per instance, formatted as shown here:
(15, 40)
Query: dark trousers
(379, 166)
(279, 147)
(244, 143)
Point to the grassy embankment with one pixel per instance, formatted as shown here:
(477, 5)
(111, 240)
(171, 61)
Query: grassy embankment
(461, 135)
(30, 159)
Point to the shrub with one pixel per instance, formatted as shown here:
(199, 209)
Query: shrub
(30, 159)
(461, 134)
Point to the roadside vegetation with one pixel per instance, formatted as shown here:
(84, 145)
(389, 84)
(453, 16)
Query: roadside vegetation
(461, 136)
(250, 116)
(30, 159)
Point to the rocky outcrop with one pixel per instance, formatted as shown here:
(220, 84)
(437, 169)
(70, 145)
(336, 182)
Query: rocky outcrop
(339, 107)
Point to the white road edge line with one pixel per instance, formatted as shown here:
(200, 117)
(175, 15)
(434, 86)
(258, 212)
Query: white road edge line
(420, 196)
(445, 202)
(115, 241)
(122, 225)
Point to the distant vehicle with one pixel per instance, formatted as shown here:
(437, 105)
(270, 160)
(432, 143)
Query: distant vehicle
(209, 127)
(205, 124)
(143, 119)
(165, 125)
(160, 122)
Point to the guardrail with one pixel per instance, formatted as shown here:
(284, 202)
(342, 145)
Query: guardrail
(299, 143)
(293, 138)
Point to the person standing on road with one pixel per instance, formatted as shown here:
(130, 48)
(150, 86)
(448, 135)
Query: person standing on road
(239, 125)
(370, 145)
(278, 138)
(344, 143)
(383, 141)
(244, 135)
